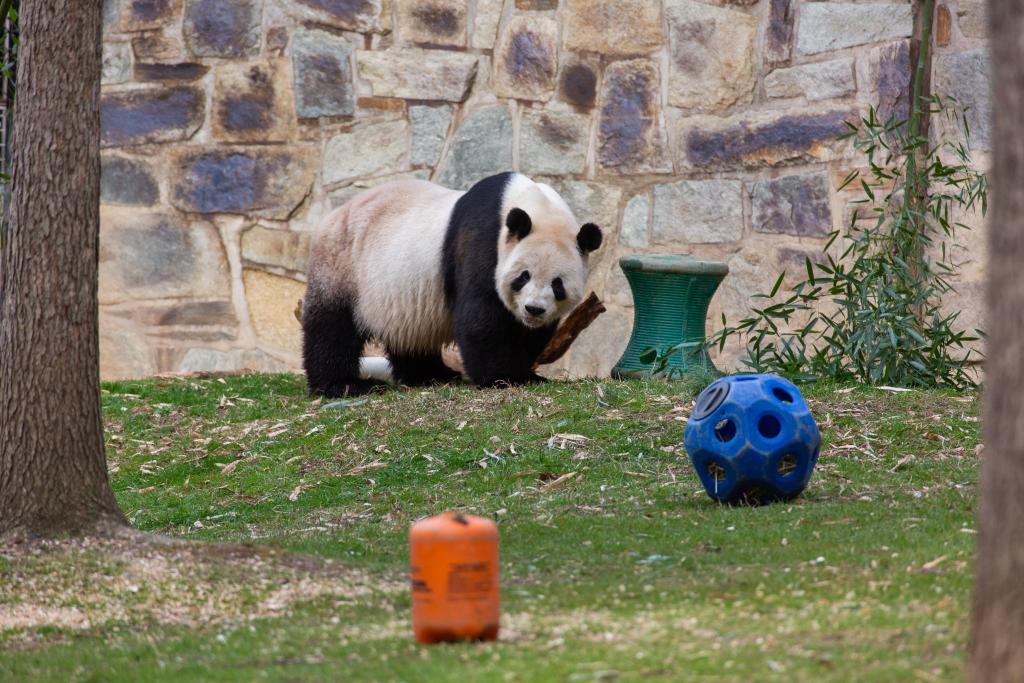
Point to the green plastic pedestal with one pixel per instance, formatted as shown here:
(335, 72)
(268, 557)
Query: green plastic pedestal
(671, 294)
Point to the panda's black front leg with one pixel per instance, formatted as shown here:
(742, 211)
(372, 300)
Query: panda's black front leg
(422, 369)
(488, 366)
(495, 348)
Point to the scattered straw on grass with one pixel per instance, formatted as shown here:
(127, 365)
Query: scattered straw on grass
(86, 583)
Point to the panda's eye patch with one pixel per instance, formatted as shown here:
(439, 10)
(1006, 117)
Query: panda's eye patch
(520, 281)
(558, 288)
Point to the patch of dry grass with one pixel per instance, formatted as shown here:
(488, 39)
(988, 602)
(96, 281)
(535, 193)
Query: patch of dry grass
(87, 583)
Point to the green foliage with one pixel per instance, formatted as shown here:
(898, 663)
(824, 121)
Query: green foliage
(695, 371)
(874, 312)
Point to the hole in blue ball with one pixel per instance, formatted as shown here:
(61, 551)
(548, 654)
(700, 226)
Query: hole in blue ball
(725, 430)
(769, 426)
(748, 378)
(716, 471)
(782, 394)
(786, 465)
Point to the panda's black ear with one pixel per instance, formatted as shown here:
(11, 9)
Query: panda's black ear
(519, 224)
(589, 238)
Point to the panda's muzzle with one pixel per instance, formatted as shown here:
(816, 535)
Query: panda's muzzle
(535, 311)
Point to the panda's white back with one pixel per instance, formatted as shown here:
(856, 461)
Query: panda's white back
(386, 246)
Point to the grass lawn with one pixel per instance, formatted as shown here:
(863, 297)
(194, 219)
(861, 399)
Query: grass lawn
(297, 514)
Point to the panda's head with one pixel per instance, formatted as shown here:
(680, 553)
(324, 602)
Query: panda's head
(542, 261)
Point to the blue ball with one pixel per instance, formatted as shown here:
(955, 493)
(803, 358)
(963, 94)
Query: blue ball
(752, 439)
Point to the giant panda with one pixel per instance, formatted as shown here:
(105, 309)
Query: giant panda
(414, 266)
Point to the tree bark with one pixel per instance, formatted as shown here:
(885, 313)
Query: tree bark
(997, 639)
(53, 473)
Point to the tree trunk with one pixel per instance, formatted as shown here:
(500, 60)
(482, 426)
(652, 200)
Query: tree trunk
(53, 473)
(997, 640)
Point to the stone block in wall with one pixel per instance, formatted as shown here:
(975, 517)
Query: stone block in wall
(164, 73)
(765, 138)
(130, 182)
(159, 256)
(322, 74)
(827, 26)
(430, 126)
(752, 271)
(413, 73)
(972, 19)
(817, 81)
(617, 291)
(967, 77)
(698, 212)
(110, 15)
(967, 302)
(892, 81)
(191, 314)
(792, 205)
(271, 300)
(214, 360)
(382, 104)
(553, 143)
(140, 15)
(712, 55)
(481, 146)
(592, 202)
(188, 321)
(367, 149)
(635, 222)
(150, 115)
(485, 24)
(794, 260)
(215, 28)
(117, 63)
(536, 5)
(361, 16)
(526, 60)
(124, 350)
(263, 181)
(859, 214)
(625, 27)
(343, 194)
(577, 84)
(432, 22)
(631, 139)
(285, 249)
(252, 102)
(600, 346)
(778, 33)
(158, 46)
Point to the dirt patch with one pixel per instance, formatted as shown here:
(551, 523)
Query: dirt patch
(87, 583)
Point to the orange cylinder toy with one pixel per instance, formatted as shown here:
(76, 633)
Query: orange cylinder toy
(455, 591)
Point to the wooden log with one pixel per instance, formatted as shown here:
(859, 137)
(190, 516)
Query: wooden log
(578, 320)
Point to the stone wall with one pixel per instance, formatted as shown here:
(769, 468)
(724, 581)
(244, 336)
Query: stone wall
(230, 128)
